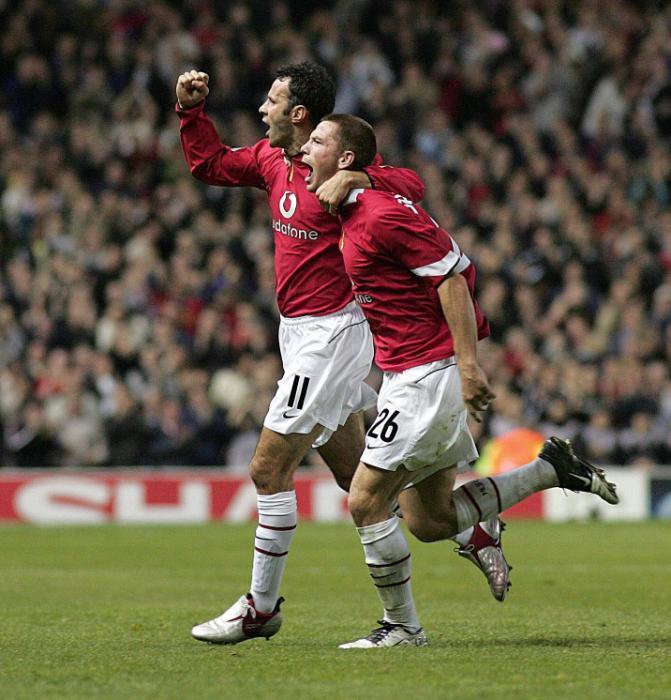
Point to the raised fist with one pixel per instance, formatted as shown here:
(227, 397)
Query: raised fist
(192, 88)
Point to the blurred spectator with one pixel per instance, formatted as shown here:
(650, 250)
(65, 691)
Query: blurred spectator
(644, 440)
(28, 438)
(598, 439)
(125, 432)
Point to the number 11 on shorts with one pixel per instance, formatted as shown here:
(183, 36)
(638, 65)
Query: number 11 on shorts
(298, 388)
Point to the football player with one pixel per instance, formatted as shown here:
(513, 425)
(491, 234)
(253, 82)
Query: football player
(416, 288)
(325, 340)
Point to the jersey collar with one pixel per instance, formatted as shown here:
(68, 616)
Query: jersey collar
(290, 159)
(352, 196)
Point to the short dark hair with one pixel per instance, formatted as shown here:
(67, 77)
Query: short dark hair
(311, 86)
(356, 135)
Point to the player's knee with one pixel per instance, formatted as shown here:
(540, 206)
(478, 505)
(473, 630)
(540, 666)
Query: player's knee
(427, 531)
(344, 481)
(262, 479)
(367, 508)
(266, 476)
(343, 472)
(355, 505)
(428, 535)
(344, 464)
(359, 504)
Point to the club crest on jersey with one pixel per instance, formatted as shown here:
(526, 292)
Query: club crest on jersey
(290, 199)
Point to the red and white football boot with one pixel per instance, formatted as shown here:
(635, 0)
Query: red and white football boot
(240, 622)
(484, 550)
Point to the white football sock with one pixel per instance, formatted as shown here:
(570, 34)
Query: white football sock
(277, 524)
(482, 499)
(389, 563)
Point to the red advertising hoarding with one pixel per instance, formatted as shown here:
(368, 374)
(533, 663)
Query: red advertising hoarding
(187, 496)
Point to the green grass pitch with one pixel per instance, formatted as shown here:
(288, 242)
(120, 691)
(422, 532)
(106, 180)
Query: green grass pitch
(105, 612)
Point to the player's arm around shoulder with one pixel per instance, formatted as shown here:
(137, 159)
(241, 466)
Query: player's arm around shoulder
(380, 177)
(207, 157)
(332, 193)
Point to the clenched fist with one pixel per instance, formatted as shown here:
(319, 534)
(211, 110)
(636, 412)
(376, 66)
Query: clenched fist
(192, 88)
(475, 389)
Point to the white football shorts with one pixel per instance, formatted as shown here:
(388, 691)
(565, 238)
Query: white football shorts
(325, 360)
(421, 422)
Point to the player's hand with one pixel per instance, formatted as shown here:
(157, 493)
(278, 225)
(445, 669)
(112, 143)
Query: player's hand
(475, 389)
(192, 88)
(332, 192)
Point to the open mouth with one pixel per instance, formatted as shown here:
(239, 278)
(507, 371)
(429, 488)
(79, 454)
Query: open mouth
(311, 171)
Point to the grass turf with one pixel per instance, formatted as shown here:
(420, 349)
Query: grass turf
(105, 612)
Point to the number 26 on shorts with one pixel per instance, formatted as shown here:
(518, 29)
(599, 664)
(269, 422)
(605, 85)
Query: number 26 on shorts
(385, 426)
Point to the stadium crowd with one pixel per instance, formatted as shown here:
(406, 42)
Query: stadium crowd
(137, 314)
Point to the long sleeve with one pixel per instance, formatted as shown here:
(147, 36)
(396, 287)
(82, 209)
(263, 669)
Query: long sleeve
(212, 161)
(397, 180)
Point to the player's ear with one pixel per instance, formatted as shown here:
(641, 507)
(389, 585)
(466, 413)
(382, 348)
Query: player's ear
(346, 159)
(299, 114)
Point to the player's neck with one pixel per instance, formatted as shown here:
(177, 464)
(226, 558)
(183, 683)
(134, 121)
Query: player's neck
(300, 137)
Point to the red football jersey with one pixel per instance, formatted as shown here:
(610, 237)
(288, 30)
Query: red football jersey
(396, 256)
(311, 278)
